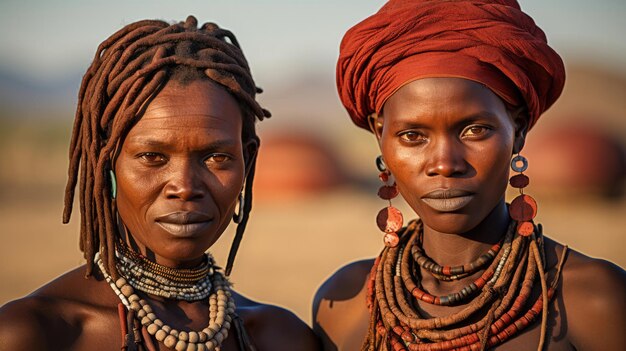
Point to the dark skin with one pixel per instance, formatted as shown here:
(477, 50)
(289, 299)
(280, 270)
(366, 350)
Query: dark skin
(452, 133)
(185, 156)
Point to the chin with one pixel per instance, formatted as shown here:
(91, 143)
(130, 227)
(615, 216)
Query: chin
(450, 222)
(185, 249)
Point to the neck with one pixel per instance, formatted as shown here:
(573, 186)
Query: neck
(129, 240)
(460, 248)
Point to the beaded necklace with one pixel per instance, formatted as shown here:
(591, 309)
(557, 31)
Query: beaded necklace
(490, 275)
(448, 273)
(497, 302)
(221, 313)
(154, 279)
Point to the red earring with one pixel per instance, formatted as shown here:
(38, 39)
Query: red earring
(389, 219)
(523, 208)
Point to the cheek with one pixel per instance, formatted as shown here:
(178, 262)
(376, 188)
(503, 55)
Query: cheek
(226, 186)
(136, 191)
(405, 165)
(133, 200)
(493, 163)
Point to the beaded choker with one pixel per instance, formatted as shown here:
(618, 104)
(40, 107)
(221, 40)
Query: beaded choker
(154, 279)
(221, 313)
(491, 274)
(447, 273)
(497, 307)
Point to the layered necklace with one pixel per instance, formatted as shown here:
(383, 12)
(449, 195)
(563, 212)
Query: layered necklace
(498, 303)
(154, 279)
(204, 281)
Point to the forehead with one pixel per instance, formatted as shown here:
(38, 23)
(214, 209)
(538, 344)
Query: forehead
(443, 96)
(183, 110)
(198, 96)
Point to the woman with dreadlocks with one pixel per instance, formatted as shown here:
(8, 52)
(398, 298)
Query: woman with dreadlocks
(164, 147)
(450, 90)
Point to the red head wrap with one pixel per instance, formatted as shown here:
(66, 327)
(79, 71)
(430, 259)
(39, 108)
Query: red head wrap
(491, 42)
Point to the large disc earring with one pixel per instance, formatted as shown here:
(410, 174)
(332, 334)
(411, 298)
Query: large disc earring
(389, 219)
(523, 208)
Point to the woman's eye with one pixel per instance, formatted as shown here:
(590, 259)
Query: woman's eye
(218, 158)
(472, 131)
(412, 137)
(152, 157)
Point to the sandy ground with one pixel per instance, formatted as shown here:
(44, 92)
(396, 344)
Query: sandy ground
(290, 246)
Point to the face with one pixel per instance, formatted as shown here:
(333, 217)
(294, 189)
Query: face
(180, 171)
(448, 143)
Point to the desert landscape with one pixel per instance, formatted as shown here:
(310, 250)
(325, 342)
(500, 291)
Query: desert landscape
(316, 187)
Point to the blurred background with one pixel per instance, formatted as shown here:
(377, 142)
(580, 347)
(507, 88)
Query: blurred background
(315, 195)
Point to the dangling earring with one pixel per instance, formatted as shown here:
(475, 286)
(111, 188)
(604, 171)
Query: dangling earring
(389, 219)
(113, 184)
(238, 215)
(523, 208)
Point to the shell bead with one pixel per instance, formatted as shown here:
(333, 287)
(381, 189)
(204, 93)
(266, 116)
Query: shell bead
(180, 346)
(169, 341)
(160, 335)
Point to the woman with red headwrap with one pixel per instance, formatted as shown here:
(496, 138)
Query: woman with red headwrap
(450, 90)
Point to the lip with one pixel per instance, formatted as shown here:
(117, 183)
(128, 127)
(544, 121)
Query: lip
(448, 200)
(183, 223)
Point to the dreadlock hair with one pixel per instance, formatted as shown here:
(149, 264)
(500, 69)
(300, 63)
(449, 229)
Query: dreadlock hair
(128, 69)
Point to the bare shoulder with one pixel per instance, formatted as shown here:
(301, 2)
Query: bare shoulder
(49, 318)
(275, 328)
(345, 283)
(23, 318)
(340, 314)
(593, 294)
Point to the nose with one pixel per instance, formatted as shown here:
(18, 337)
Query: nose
(185, 182)
(446, 158)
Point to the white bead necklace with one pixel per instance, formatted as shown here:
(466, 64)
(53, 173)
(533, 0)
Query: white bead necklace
(154, 279)
(221, 312)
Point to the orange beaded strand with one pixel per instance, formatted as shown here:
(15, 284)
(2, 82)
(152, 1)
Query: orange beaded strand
(506, 285)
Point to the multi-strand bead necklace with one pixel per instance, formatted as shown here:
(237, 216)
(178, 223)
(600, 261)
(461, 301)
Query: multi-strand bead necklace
(497, 307)
(211, 283)
(155, 279)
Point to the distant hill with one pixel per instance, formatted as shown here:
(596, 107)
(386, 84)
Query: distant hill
(25, 97)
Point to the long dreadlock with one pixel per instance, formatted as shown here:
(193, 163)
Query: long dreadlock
(128, 69)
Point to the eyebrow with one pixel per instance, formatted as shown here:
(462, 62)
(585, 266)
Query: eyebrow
(415, 122)
(478, 115)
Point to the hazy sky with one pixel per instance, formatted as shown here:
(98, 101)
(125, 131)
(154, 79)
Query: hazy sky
(48, 39)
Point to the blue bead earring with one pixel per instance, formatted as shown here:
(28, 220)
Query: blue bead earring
(113, 184)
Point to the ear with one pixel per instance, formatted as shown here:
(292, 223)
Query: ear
(520, 122)
(250, 152)
(375, 122)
